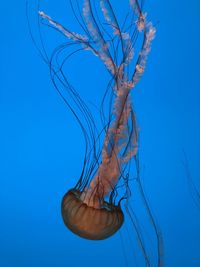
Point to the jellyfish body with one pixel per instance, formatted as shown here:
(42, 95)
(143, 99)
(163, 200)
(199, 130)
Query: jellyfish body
(88, 222)
(84, 209)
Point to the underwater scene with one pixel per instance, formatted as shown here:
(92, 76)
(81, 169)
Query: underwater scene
(100, 108)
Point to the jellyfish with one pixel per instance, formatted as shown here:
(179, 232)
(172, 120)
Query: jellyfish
(92, 208)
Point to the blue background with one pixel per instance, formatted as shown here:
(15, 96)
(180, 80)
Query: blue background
(41, 144)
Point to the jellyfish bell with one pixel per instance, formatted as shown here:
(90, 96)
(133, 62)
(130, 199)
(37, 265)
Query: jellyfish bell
(90, 221)
(86, 212)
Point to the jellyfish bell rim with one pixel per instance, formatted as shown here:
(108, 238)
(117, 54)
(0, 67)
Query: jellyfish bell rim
(89, 222)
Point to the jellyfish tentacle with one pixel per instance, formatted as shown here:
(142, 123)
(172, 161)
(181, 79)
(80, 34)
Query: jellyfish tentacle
(110, 17)
(93, 28)
(76, 37)
(71, 35)
(110, 168)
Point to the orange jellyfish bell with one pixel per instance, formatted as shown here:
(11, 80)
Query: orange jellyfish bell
(90, 222)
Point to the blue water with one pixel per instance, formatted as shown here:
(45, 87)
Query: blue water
(41, 146)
